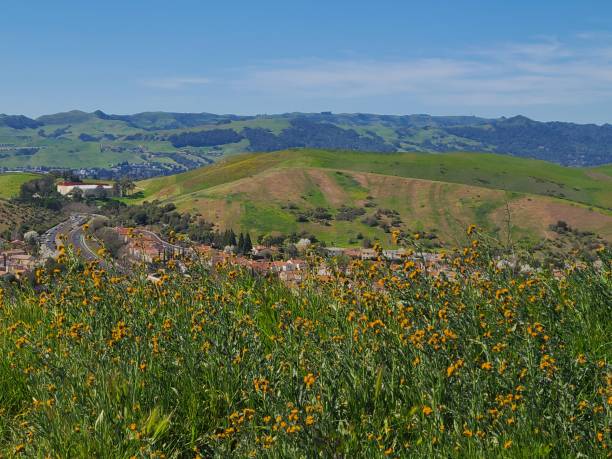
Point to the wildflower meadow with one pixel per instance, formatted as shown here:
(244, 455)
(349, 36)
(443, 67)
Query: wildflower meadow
(371, 360)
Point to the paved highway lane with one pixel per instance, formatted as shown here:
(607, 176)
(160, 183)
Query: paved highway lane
(72, 230)
(76, 237)
(49, 240)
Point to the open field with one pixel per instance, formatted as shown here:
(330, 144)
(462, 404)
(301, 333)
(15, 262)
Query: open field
(10, 183)
(440, 193)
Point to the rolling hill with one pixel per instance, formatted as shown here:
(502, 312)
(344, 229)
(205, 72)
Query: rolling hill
(343, 197)
(160, 143)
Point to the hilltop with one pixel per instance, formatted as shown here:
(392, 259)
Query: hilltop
(345, 197)
(158, 143)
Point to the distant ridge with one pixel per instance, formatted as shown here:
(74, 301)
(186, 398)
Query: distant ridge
(565, 143)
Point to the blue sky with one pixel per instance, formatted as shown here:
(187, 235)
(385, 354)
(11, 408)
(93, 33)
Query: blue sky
(550, 60)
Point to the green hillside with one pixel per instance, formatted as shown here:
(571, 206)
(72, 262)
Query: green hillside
(11, 182)
(416, 192)
(587, 186)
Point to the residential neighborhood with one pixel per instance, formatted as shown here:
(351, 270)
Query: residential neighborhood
(139, 245)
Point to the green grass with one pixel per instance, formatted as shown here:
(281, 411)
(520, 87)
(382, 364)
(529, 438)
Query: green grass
(313, 195)
(375, 363)
(607, 170)
(262, 219)
(10, 183)
(350, 185)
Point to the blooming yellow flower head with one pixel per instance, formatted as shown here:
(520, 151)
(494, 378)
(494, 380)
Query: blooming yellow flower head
(309, 380)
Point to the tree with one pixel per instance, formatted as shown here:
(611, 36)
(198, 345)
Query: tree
(117, 191)
(77, 194)
(127, 185)
(70, 176)
(31, 238)
(42, 187)
(248, 245)
(232, 238)
(228, 238)
(241, 244)
(100, 192)
(291, 251)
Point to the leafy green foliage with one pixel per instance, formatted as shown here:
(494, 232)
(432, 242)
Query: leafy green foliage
(310, 134)
(205, 138)
(564, 143)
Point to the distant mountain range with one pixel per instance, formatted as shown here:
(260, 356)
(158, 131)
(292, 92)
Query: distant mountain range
(186, 140)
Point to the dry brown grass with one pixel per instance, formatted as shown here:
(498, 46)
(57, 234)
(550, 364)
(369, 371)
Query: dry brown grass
(537, 213)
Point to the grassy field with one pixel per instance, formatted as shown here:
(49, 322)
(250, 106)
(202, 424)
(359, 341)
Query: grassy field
(10, 183)
(377, 364)
(437, 193)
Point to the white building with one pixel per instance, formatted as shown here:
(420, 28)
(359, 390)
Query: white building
(64, 188)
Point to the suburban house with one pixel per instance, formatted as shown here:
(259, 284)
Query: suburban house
(16, 261)
(65, 188)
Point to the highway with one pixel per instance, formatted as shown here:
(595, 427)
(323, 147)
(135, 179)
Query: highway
(76, 237)
(50, 238)
(175, 249)
(72, 229)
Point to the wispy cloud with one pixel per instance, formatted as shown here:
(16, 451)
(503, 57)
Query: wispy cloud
(546, 74)
(176, 82)
(542, 72)
(355, 78)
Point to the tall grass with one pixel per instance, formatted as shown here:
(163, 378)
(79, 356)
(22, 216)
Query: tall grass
(380, 362)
